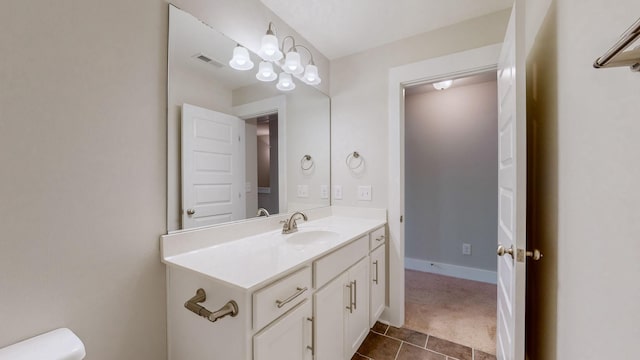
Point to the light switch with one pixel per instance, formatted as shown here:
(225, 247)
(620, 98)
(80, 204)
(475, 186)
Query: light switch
(466, 249)
(364, 193)
(324, 191)
(303, 191)
(337, 192)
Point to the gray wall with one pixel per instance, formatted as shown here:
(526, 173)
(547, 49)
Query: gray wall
(451, 182)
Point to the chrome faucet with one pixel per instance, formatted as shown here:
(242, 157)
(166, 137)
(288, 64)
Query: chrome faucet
(290, 225)
(263, 212)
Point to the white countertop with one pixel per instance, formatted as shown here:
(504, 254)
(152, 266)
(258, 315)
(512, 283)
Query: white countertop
(251, 262)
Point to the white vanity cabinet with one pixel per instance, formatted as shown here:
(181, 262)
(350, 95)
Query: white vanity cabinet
(288, 338)
(317, 308)
(341, 307)
(378, 277)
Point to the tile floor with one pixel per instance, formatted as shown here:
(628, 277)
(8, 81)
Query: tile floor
(391, 343)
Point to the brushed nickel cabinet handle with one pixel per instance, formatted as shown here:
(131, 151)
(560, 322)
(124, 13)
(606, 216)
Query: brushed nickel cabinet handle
(380, 238)
(313, 344)
(298, 292)
(376, 278)
(350, 307)
(355, 295)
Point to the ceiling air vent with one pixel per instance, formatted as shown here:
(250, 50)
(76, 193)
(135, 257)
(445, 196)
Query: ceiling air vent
(206, 59)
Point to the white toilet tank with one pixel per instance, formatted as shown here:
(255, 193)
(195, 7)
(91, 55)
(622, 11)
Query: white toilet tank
(59, 344)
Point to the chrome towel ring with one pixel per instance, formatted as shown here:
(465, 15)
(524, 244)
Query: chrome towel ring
(352, 158)
(306, 162)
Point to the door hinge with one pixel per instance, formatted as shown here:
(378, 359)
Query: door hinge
(401, 218)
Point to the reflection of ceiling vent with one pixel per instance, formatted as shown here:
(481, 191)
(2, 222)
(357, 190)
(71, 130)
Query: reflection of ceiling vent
(206, 59)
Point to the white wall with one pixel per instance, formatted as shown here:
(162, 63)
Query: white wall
(587, 215)
(83, 159)
(451, 175)
(359, 93)
(83, 156)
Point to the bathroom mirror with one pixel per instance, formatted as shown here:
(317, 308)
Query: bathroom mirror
(236, 144)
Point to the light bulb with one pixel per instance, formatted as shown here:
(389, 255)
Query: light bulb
(285, 83)
(442, 85)
(241, 59)
(292, 63)
(311, 75)
(265, 72)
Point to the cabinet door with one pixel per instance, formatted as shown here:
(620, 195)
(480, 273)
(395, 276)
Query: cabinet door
(378, 283)
(289, 338)
(329, 318)
(358, 317)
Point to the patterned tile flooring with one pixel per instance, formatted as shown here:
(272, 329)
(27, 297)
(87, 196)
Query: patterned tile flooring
(391, 343)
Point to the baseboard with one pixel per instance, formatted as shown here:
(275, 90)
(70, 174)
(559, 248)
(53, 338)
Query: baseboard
(462, 272)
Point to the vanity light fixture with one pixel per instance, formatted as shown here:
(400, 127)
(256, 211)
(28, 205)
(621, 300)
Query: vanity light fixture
(241, 59)
(273, 53)
(442, 85)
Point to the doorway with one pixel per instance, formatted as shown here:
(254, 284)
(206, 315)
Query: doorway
(451, 209)
(262, 165)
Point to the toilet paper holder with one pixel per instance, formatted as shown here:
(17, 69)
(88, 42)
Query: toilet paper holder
(230, 308)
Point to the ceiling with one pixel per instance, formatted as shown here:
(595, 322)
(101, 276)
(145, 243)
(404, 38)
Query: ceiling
(342, 27)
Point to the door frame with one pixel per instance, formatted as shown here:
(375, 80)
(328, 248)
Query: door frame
(269, 106)
(461, 64)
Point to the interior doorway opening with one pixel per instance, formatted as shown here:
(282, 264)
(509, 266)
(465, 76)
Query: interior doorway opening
(262, 165)
(451, 208)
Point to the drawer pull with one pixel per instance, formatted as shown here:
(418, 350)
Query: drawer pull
(298, 292)
(375, 280)
(380, 238)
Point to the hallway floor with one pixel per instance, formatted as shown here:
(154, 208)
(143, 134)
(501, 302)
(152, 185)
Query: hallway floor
(391, 343)
(459, 310)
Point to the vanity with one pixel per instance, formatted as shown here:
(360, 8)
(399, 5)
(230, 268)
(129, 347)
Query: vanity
(311, 294)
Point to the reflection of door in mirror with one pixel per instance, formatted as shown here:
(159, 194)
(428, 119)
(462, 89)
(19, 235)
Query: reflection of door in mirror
(267, 162)
(213, 169)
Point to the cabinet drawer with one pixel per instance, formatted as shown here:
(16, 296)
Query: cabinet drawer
(377, 237)
(338, 261)
(276, 299)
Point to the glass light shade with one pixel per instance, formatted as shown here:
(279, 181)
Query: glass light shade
(265, 72)
(285, 82)
(442, 85)
(269, 48)
(241, 59)
(292, 63)
(311, 76)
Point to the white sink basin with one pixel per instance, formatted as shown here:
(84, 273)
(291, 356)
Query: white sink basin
(305, 237)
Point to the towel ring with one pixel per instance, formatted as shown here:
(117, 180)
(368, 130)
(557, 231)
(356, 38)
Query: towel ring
(349, 160)
(308, 160)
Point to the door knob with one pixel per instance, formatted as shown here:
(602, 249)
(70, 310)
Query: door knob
(191, 211)
(535, 254)
(502, 250)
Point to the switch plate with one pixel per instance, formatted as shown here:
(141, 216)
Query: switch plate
(337, 192)
(303, 191)
(324, 191)
(466, 249)
(364, 193)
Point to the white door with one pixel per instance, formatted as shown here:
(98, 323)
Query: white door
(213, 169)
(511, 192)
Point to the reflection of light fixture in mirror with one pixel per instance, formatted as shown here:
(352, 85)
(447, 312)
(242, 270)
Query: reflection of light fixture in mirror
(269, 49)
(285, 82)
(241, 59)
(442, 85)
(265, 72)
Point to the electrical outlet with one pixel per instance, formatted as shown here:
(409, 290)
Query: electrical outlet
(466, 249)
(303, 191)
(324, 191)
(364, 193)
(337, 192)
